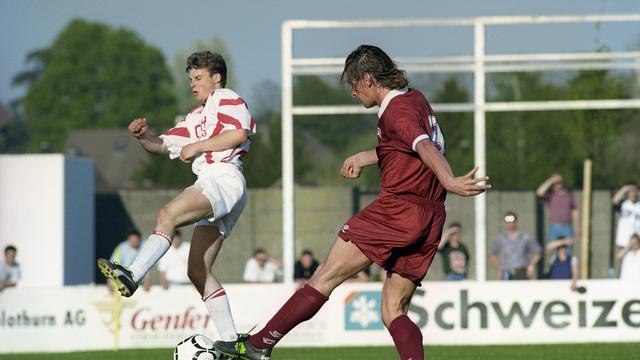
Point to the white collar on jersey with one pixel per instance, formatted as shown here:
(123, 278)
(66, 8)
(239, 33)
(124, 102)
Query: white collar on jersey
(389, 97)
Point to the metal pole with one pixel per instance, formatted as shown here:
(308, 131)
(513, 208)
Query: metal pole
(480, 149)
(288, 225)
(586, 218)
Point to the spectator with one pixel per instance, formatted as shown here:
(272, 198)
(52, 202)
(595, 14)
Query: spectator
(626, 199)
(261, 268)
(455, 257)
(563, 211)
(10, 271)
(514, 254)
(126, 251)
(305, 267)
(563, 266)
(173, 265)
(630, 256)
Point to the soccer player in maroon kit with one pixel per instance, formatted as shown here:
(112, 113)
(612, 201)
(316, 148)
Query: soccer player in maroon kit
(401, 229)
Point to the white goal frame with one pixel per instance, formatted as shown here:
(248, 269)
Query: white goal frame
(479, 64)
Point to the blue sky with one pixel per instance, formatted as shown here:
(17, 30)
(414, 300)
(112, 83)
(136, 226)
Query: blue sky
(252, 28)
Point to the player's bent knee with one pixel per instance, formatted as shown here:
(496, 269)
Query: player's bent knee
(164, 216)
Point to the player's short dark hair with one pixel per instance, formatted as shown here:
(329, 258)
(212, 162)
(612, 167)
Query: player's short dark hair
(134, 232)
(213, 62)
(259, 251)
(10, 248)
(369, 59)
(307, 252)
(455, 224)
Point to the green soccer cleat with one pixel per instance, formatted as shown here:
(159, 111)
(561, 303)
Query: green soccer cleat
(120, 275)
(242, 349)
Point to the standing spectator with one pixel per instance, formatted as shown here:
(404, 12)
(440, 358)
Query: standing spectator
(305, 267)
(630, 256)
(626, 199)
(10, 271)
(563, 266)
(563, 212)
(514, 254)
(126, 252)
(455, 257)
(173, 265)
(261, 268)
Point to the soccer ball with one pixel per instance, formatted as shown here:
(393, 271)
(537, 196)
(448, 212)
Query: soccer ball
(196, 347)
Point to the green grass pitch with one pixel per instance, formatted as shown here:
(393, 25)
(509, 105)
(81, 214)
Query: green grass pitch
(617, 351)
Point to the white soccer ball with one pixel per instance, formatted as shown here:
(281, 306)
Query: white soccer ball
(196, 347)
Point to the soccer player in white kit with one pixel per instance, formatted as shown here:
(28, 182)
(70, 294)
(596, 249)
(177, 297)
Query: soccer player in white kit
(214, 136)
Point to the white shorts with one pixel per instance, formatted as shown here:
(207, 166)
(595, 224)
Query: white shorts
(225, 187)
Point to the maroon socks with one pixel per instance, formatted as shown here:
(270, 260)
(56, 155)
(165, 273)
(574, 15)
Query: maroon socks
(300, 307)
(407, 337)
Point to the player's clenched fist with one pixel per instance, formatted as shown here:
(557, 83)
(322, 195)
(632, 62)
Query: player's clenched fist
(351, 168)
(138, 127)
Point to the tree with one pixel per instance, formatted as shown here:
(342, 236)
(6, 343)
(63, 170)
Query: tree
(93, 76)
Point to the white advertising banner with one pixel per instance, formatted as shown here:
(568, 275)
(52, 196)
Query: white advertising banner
(525, 312)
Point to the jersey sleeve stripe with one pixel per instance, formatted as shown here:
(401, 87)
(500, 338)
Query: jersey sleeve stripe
(238, 101)
(178, 131)
(230, 120)
(417, 140)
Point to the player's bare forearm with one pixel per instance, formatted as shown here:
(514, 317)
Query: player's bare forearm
(367, 158)
(223, 141)
(152, 144)
(465, 185)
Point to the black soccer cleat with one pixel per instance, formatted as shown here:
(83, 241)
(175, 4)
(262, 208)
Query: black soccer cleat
(120, 275)
(242, 349)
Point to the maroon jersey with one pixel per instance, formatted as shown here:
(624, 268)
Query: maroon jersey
(404, 121)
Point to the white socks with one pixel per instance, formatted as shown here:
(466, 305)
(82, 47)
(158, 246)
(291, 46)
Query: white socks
(218, 306)
(152, 250)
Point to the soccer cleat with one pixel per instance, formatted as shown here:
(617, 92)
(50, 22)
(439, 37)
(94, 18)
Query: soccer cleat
(242, 349)
(120, 275)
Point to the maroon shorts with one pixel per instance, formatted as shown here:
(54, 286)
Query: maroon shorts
(398, 232)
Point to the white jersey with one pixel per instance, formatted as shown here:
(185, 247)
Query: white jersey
(629, 222)
(224, 110)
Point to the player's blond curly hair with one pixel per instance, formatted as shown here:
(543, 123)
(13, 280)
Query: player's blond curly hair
(369, 59)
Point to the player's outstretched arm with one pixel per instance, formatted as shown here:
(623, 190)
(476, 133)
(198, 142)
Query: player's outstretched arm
(353, 165)
(466, 185)
(224, 141)
(153, 144)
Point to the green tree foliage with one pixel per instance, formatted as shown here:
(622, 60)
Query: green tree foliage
(457, 128)
(94, 76)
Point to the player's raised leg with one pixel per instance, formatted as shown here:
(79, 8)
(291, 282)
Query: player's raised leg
(396, 297)
(205, 246)
(344, 260)
(186, 208)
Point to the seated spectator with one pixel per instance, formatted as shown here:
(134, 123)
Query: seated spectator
(514, 254)
(630, 256)
(261, 268)
(305, 267)
(455, 257)
(10, 271)
(626, 199)
(126, 252)
(563, 266)
(173, 265)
